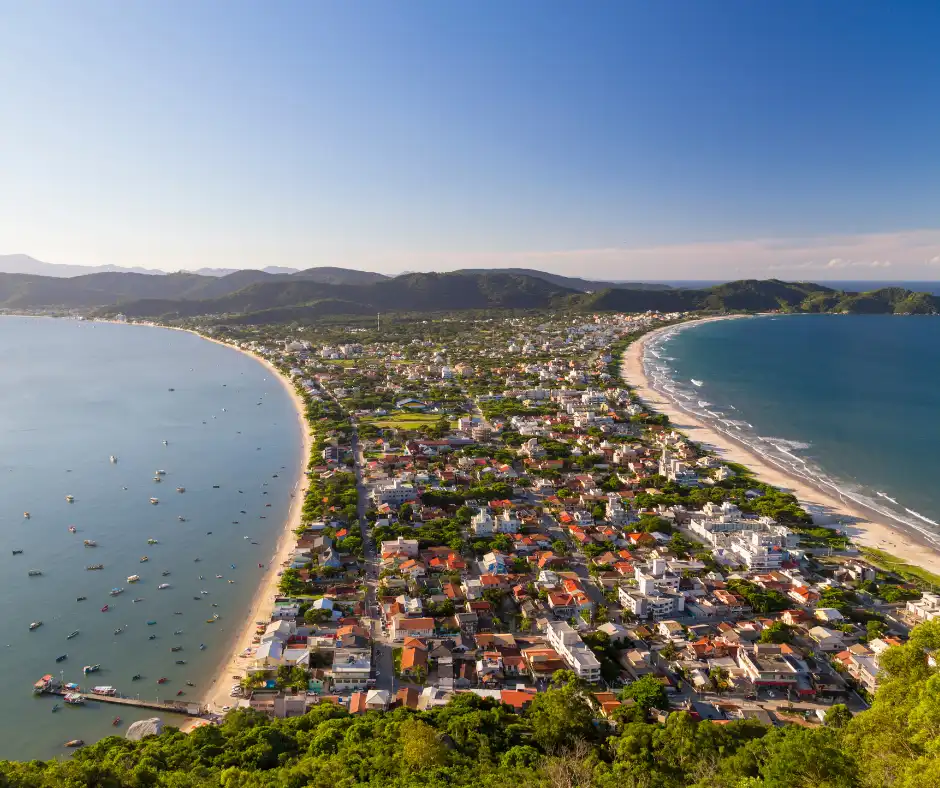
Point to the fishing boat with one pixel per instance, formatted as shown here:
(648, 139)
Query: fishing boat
(55, 708)
(218, 577)
(157, 479)
(178, 632)
(17, 552)
(34, 572)
(154, 501)
(118, 631)
(112, 458)
(160, 472)
(93, 567)
(135, 677)
(165, 573)
(202, 646)
(216, 617)
(181, 489)
(181, 662)
(74, 699)
(72, 529)
(62, 658)
(105, 609)
(70, 498)
(35, 625)
(163, 586)
(133, 578)
(144, 559)
(116, 591)
(151, 623)
(138, 599)
(162, 680)
(152, 637)
(90, 543)
(116, 721)
(165, 443)
(181, 518)
(26, 515)
(190, 684)
(152, 541)
(176, 648)
(80, 598)
(91, 669)
(70, 635)
(210, 620)
(104, 690)
(74, 743)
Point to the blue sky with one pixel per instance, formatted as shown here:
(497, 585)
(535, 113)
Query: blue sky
(609, 139)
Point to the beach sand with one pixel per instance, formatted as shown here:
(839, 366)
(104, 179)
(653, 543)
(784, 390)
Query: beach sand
(262, 604)
(863, 526)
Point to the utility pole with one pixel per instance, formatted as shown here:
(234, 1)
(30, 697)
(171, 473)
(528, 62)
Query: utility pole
(378, 322)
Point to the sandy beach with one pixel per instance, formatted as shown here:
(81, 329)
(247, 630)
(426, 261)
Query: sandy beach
(826, 508)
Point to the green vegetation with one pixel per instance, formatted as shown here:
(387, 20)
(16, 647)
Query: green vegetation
(902, 569)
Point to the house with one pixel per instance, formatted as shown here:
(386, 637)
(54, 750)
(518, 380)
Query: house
(766, 665)
(378, 700)
(826, 639)
(400, 546)
(351, 669)
(569, 646)
(414, 658)
(394, 494)
(562, 604)
(828, 615)
(403, 627)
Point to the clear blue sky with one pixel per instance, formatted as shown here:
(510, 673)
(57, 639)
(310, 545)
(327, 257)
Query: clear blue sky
(638, 140)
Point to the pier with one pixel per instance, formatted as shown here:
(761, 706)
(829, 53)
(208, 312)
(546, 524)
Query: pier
(172, 707)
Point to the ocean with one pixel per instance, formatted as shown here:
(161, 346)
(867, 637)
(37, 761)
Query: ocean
(846, 402)
(74, 393)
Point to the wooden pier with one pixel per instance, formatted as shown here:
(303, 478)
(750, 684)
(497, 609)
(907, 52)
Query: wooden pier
(171, 707)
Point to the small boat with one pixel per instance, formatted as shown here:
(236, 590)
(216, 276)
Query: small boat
(165, 443)
(210, 620)
(55, 708)
(26, 515)
(152, 637)
(181, 518)
(181, 662)
(105, 609)
(197, 598)
(165, 573)
(17, 552)
(163, 586)
(133, 578)
(112, 458)
(218, 577)
(70, 498)
(62, 658)
(157, 479)
(116, 591)
(176, 648)
(152, 541)
(202, 646)
(197, 560)
(35, 625)
(162, 680)
(104, 690)
(190, 684)
(90, 543)
(177, 612)
(34, 572)
(151, 623)
(178, 632)
(204, 593)
(74, 743)
(118, 631)
(72, 529)
(216, 486)
(232, 565)
(160, 473)
(216, 617)
(181, 489)
(135, 677)
(116, 721)
(154, 501)
(138, 599)
(179, 692)
(70, 635)
(80, 598)
(93, 567)
(171, 389)
(144, 559)
(91, 669)
(214, 604)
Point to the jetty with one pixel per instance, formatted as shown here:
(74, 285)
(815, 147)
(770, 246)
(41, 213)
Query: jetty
(172, 707)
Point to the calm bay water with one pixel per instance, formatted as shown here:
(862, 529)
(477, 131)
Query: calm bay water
(847, 401)
(72, 394)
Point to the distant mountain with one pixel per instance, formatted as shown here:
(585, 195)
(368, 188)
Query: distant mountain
(571, 282)
(271, 269)
(330, 275)
(24, 264)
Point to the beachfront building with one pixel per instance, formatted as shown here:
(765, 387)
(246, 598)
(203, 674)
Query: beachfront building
(676, 470)
(927, 608)
(352, 668)
(569, 646)
(394, 494)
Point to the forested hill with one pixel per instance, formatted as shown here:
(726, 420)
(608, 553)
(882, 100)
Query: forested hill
(258, 296)
(561, 739)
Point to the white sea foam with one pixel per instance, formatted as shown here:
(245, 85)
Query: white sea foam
(919, 516)
(783, 444)
(697, 382)
(888, 498)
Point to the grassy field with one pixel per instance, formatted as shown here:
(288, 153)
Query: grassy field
(888, 562)
(403, 420)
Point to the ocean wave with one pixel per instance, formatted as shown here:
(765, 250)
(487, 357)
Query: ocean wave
(698, 383)
(784, 444)
(887, 497)
(703, 404)
(919, 516)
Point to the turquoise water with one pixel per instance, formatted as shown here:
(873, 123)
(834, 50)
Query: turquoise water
(850, 403)
(72, 394)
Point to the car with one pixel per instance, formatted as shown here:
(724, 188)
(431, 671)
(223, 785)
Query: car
(226, 708)
(771, 694)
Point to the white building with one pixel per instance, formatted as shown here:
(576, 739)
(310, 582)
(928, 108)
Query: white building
(394, 494)
(616, 513)
(482, 523)
(655, 577)
(351, 669)
(508, 523)
(927, 608)
(655, 605)
(571, 648)
(400, 545)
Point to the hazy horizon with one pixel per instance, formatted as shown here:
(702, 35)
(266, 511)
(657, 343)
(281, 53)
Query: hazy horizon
(622, 141)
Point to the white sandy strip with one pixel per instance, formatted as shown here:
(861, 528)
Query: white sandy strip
(826, 508)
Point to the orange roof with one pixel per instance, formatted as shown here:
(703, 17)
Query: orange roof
(518, 699)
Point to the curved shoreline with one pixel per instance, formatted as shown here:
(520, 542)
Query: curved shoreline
(867, 527)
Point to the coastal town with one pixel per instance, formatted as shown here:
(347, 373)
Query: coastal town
(489, 508)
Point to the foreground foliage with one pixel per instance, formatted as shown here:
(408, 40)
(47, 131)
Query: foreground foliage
(556, 742)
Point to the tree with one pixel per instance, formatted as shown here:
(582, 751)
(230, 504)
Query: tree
(290, 583)
(421, 747)
(669, 651)
(560, 547)
(838, 716)
(647, 692)
(778, 632)
(315, 616)
(559, 716)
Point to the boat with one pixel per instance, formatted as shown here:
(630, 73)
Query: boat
(181, 662)
(181, 518)
(71, 635)
(118, 631)
(181, 489)
(178, 632)
(202, 646)
(162, 680)
(34, 572)
(151, 623)
(133, 578)
(91, 669)
(215, 617)
(162, 586)
(216, 486)
(165, 573)
(55, 708)
(135, 677)
(116, 721)
(74, 743)
(110, 691)
(90, 543)
(105, 609)
(62, 658)
(210, 620)
(176, 648)
(180, 692)
(154, 501)
(157, 479)
(93, 567)
(152, 637)
(116, 591)
(70, 498)
(35, 625)
(160, 473)
(165, 443)
(197, 560)
(152, 541)
(144, 559)
(26, 515)
(72, 529)
(17, 552)
(138, 599)
(112, 458)
(190, 684)
(218, 577)
(74, 698)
